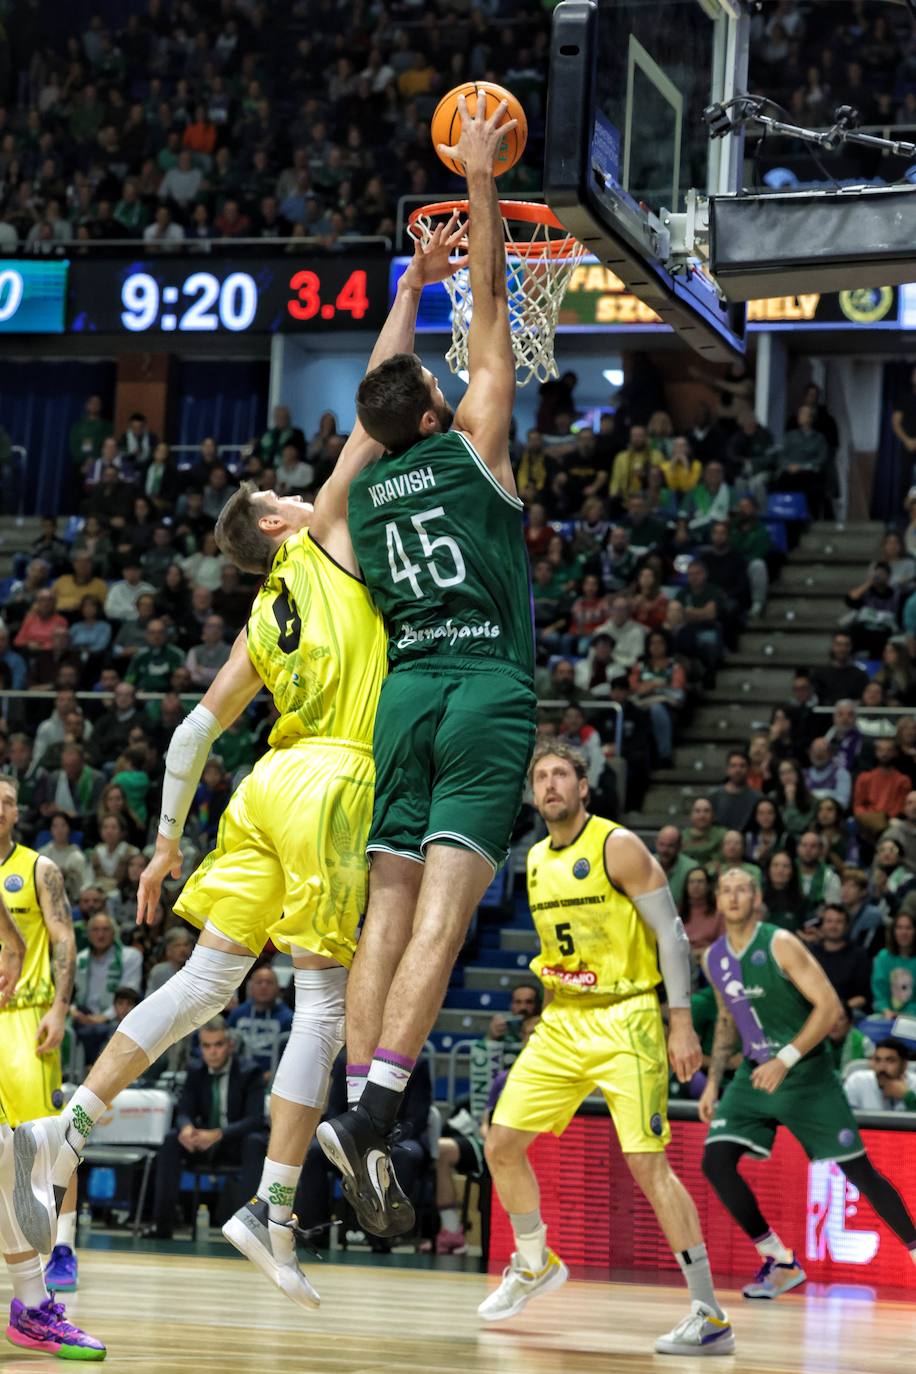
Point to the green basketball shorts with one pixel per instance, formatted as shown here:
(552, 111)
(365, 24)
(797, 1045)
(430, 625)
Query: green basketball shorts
(452, 747)
(810, 1103)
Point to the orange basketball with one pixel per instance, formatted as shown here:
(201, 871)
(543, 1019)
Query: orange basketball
(446, 124)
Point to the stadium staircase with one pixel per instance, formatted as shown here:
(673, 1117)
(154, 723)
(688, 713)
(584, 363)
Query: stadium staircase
(805, 604)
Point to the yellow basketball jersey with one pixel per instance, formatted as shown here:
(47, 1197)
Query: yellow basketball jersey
(319, 644)
(593, 940)
(17, 887)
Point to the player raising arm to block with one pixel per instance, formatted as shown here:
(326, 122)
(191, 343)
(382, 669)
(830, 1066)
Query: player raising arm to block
(606, 920)
(289, 864)
(437, 528)
(777, 1000)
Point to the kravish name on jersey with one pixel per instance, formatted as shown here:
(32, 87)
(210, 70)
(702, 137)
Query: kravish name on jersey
(393, 488)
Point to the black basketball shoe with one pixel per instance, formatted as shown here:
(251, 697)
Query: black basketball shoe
(363, 1156)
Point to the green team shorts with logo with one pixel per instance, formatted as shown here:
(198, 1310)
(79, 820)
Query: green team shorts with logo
(452, 747)
(810, 1103)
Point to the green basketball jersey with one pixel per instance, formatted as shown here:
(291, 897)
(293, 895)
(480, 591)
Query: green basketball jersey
(441, 547)
(767, 1007)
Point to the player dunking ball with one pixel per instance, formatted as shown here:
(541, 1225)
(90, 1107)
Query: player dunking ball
(37, 1322)
(437, 529)
(777, 1000)
(606, 920)
(289, 863)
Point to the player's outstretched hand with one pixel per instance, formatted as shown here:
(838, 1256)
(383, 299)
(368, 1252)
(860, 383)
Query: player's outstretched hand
(433, 261)
(708, 1102)
(165, 861)
(480, 137)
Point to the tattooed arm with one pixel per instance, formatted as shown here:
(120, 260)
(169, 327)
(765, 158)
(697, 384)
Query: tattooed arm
(12, 953)
(724, 1044)
(55, 908)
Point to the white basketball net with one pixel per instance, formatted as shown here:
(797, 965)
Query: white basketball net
(537, 278)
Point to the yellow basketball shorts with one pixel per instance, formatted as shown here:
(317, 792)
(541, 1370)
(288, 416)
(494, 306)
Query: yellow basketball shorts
(30, 1083)
(619, 1049)
(289, 863)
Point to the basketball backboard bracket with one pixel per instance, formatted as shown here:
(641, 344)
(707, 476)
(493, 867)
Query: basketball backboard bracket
(625, 144)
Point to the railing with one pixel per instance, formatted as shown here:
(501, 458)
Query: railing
(592, 704)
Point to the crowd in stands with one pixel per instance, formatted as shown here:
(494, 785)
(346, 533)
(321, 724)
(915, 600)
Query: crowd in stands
(234, 120)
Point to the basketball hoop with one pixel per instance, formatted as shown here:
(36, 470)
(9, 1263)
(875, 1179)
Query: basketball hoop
(540, 259)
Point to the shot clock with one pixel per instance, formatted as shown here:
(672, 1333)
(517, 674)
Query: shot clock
(239, 296)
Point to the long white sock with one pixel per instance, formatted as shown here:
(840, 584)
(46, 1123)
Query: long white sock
(81, 1113)
(66, 1229)
(28, 1279)
(698, 1276)
(278, 1189)
(79, 1116)
(530, 1239)
(771, 1247)
(449, 1219)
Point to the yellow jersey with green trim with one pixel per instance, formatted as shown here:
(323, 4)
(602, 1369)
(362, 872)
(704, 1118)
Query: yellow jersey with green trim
(594, 944)
(319, 644)
(20, 894)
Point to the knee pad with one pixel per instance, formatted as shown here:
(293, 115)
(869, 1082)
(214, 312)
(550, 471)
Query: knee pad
(316, 1037)
(12, 1241)
(191, 997)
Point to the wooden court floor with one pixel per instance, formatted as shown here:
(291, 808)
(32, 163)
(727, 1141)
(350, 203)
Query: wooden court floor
(186, 1312)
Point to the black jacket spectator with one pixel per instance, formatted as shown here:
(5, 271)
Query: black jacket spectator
(840, 679)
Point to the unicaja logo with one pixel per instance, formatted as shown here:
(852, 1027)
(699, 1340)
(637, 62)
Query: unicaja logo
(831, 1200)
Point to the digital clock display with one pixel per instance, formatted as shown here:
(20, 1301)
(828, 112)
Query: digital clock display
(32, 297)
(257, 296)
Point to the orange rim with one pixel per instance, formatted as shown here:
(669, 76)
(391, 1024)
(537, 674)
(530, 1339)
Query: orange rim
(525, 212)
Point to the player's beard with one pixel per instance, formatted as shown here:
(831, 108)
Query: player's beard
(445, 415)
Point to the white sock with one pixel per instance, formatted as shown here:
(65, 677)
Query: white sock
(770, 1246)
(390, 1069)
(530, 1239)
(28, 1280)
(449, 1219)
(278, 1189)
(66, 1229)
(81, 1113)
(357, 1077)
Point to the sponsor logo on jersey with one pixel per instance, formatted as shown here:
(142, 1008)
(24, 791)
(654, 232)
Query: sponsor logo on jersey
(581, 868)
(846, 1137)
(446, 630)
(735, 988)
(14, 883)
(759, 957)
(576, 978)
(393, 488)
(655, 1125)
(718, 1123)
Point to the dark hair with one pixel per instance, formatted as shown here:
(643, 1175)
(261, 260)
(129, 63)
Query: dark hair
(538, 991)
(737, 754)
(892, 942)
(391, 401)
(754, 824)
(803, 798)
(835, 906)
(784, 900)
(897, 1046)
(127, 994)
(684, 909)
(239, 536)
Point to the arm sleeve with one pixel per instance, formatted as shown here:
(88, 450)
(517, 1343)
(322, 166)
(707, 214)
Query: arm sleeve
(658, 911)
(187, 754)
